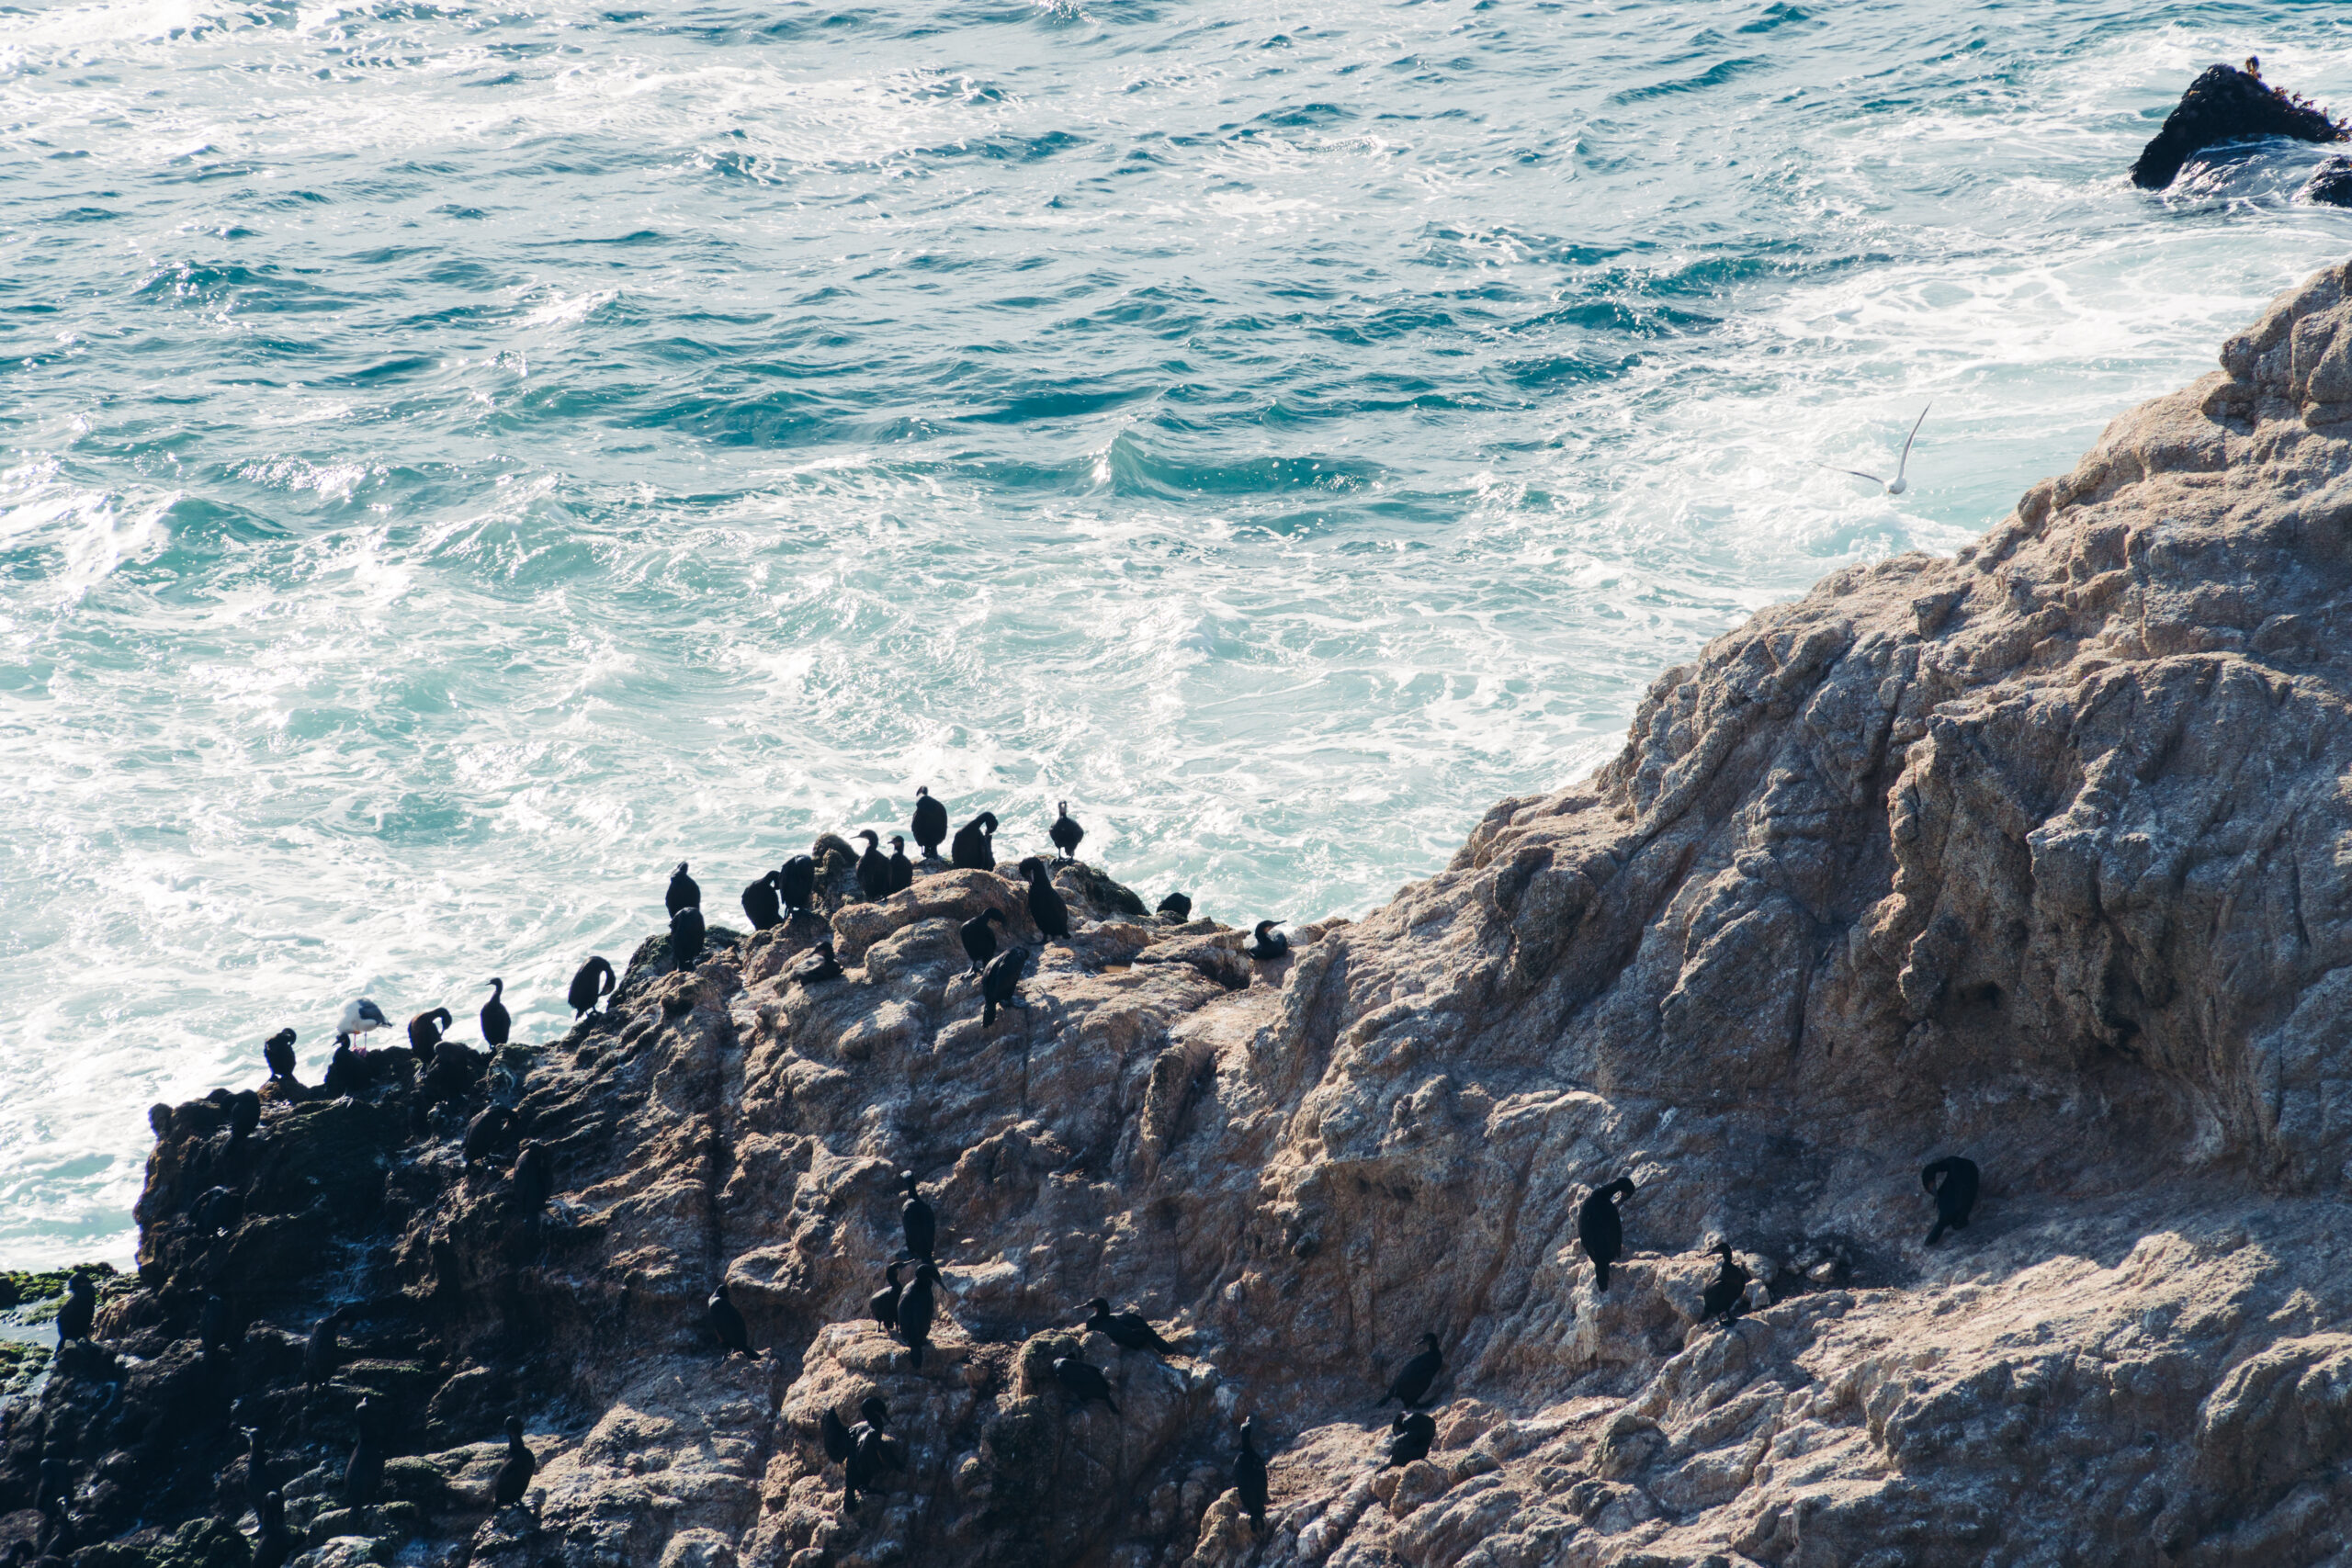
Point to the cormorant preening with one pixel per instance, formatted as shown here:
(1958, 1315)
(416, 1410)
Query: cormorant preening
(80, 1309)
(1066, 832)
(346, 1069)
(1045, 906)
(1178, 904)
(1412, 1384)
(975, 846)
(980, 941)
(917, 1220)
(687, 933)
(366, 1469)
(1250, 1475)
(497, 1024)
(321, 1353)
(902, 870)
(1270, 944)
(275, 1543)
(1409, 1437)
(514, 1475)
(1726, 1295)
(685, 892)
(1000, 981)
(277, 1053)
(532, 1175)
(930, 825)
(425, 1031)
(836, 1438)
(485, 1133)
(915, 1307)
(1600, 1230)
(873, 871)
(870, 1449)
(726, 1323)
(245, 1115)
(797, 883)
(1129, 1330)
(761, 905)
(1083, 1378)
(885, 1302)
(583, 993)
(1955, 1193)
(360, 1016)
(822, 964)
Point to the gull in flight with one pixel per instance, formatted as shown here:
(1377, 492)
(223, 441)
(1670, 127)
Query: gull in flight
(1896, 485)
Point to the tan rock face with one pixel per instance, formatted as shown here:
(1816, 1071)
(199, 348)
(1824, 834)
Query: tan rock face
(2042, 855)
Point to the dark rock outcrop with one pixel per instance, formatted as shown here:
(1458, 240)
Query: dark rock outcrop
(2331, 183)
(2226, 104)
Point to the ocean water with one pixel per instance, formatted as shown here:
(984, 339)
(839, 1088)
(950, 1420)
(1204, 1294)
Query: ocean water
(462, 459)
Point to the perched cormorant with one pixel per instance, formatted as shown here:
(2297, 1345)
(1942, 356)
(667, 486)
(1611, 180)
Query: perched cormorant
(485, 1133)
(1726, 1294)
(975, 846)
(322, 1353)
(885, 1302)
(256, 1466)
(513, 1476)
(80, 1309)
(686, 933)
(1409, 1437)
(1129, 1330)
(999, 982)
(360, 1016)
(1045, 906)
(797, 883)
(278, 1055)
(726, 1323)
(1250, 1475)
(873, 871)
(916, 1219)
(346, 1069)
(870, 1449)
(366, 1469)
(1270, 944)
(1066, 832)
(979, 940)
(915, 1308)
(245, 1115)
(930, 825)
(213, 1326)
(761, 905)
(425, 1031)
(822, 964)
(685, 892)
(902, 870)
(838, 1443)
(274, 1544)
(1412, 1384)
(1084, 1378)
(497, 1024)
(1178, 904)
(1955, 1193)
(532, 1175)
(584, 993)
(1600, 1229)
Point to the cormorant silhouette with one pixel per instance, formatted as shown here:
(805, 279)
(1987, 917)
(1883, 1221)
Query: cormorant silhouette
(979, 939)
(365, 1470)
(322, 1353)
(685, 892)
(245, 1115)
(485, 1133)
(532, 1175)
(1412, 1384)
(915, 1218)
(902, 870)
(1129, 1330)
(497, 1024)
(819, 966)
(687, 933)
(80, 1311)
(1955, 1193)
(346, 1069)
(916, 1306)
(1000, 982)
(1409, 1437)
(274, 1543)
(975, 846)
(1178, 904)
(795, 883)
(1600, 1229)
(873, 870)
(885, 1302)
(1066, 832)
(1045, 906)
(1250, 1475)
(726, 1323)
(1270, 943)
(870, 1450)
(278, 1055)
(930, 825)
(1726, 1293)
(424, 1032)
(213, 1329)
(1084, 1378)
(513, 1476)
(762, 907)
(838, 1443)
(583, 994)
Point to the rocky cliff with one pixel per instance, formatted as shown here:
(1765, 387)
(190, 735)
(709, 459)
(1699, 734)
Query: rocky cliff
(2041, 854)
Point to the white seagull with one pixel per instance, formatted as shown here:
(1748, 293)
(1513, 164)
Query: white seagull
(1896, 485)
(362, 1015)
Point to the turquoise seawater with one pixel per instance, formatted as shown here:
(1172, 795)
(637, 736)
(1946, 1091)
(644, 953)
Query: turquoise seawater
(462, 459)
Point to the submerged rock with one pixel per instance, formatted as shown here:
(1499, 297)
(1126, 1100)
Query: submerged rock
(2226, 104)
(2331, 183)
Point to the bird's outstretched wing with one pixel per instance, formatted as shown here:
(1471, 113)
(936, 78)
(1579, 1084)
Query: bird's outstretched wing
(1910, 438)
(1856, 472)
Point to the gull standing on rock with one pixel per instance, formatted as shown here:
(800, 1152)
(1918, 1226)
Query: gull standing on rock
(1896, 485)
(361, 1015)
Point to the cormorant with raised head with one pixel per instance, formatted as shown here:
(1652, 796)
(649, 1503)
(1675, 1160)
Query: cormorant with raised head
(685, 892)
(761, 905)
(1129, 1330)
(513, 1476)
(1952, 1179)
(425, 1031)
(930, 824)
(795, 883)
(1726, 1293)
(902, 870)
(365, 1470)
(1066, 832)
(1270, 943)
(975, 846)
(278, 1055)
(1409, 1437)
(999, 982)
(870, 1449)
(346, 1069)
(916, 1306)
(1178, 904)
(1250, 1475)
(361, 1015)
(687, 933)
(915, 1218)
(819, 966)
(1084, 1378)
(1600, 1229)
(979, 940)
(1045, 906)
(497, 1024)
(1412, 1384)
(873, 870)
(726, 1323)
(583, 994)
(80, 1311)
(884, 1303)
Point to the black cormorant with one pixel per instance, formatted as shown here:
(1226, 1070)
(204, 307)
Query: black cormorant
(870, 1449)
(1084, 1378)
(215, 1210)
(885, 1302)
(584, 993)
(513, 1477)
(346, 1069)
(873, 870)
(930, 825)
(366, 1468)
(322, 1354)
(902, 870)
(1409, 1437)
(975, 846)
(1955, 1193)
(761, 905)
(835, 1436)
(726, 1323)
(999, 982)
(979, 939)
(80, 1309)
(685, 892)
(795, 883)
(1045, 906)
(213, 1329)
(1178, 904)
(915, 1218)
(274, 1543)
(820, 964)
(1066, 832)
(1129, 1330)
(686, 933)
(245, 1115)
(425, 1031)
(1412, 1384)
(497, 1024)
(915, 1308)
(278, 1055)
(485, 1133)
(1270, 944)
(1726, 1294)
(1250, 1475)
(532, 1175)
(1600, 1229)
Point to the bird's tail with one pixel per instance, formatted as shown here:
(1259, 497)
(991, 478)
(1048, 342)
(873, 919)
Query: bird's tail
(987, 1012)
(914, 1354)
(1599, 1274)
(1936, 1234)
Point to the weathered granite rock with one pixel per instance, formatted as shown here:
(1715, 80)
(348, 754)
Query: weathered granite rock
(2042, 855)
(2225, 104)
